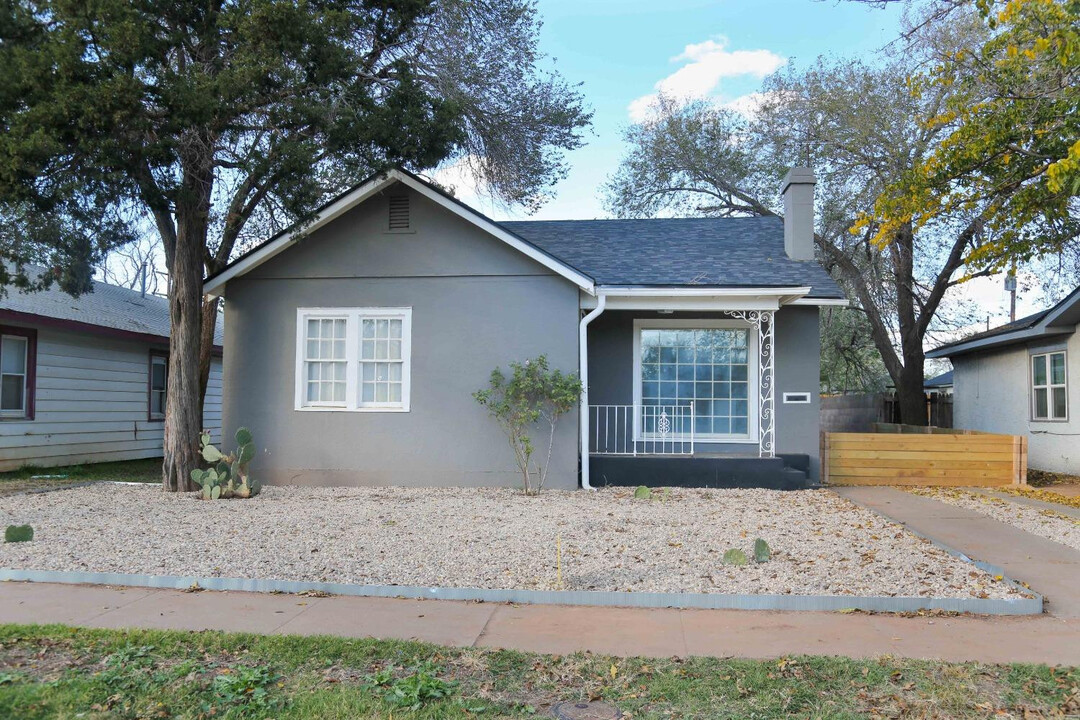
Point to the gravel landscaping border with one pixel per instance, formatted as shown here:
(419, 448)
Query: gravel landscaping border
(496, 545)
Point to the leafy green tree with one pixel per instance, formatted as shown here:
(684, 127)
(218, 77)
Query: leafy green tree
(858, 125)
(221, 121)
(1010, 126)
(849, 360)
(533, 395)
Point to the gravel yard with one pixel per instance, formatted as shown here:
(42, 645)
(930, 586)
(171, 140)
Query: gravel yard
(492, 538)
(1044, 523)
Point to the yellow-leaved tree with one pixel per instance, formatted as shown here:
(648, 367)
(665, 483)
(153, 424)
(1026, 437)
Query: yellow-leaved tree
(1010, 152)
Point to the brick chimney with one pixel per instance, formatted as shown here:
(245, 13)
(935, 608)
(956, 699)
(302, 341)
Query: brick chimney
(798, 191)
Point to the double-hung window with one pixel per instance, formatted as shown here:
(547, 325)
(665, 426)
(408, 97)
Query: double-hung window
(1049, 386)
(17, 351)
(158, 385)
(353, 359)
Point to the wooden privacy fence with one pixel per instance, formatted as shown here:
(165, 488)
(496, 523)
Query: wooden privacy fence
(933, 457)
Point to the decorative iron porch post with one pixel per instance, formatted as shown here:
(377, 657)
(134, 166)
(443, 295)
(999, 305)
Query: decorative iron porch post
(762, 320)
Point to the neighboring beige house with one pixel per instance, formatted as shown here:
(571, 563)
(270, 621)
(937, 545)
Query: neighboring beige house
(1022, 379)
(83, 379)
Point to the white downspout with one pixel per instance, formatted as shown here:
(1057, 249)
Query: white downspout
(583, 373)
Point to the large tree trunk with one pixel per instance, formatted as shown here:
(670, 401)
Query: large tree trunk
(909, 380)
(183, 415)
(183, 419)
(909, 388)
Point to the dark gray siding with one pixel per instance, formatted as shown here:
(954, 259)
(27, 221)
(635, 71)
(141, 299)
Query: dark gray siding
(611, 374)
(798, 369)
(476, 304)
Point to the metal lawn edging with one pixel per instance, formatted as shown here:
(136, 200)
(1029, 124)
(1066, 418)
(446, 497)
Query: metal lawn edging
(704, 601)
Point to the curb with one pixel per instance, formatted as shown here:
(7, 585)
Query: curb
(703, 601)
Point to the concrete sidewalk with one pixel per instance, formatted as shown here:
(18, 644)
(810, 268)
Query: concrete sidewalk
(1048, 567)
(553, 628)
(1058, 508)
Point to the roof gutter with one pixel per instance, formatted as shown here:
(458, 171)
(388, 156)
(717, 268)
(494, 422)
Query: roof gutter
(583, 373)
(698, 298)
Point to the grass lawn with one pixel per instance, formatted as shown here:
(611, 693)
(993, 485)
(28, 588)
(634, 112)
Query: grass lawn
(147, 471)
(59, 672)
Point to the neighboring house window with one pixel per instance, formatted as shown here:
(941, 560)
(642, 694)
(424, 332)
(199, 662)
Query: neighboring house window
(712, 369)
(18, 349)
(353, 359)
(1049, 390)
(159, 383)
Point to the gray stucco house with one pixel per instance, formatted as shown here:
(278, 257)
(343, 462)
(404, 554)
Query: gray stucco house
(1018, 379)
(355, 343)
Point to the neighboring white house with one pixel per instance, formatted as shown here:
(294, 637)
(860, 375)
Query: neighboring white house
(1023, 378)
(83, 379)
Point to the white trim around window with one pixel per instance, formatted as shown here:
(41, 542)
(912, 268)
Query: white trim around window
(353, 359)
(1050, 386)
(752, 429)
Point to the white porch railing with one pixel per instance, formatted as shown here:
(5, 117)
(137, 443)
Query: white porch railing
(641, 430)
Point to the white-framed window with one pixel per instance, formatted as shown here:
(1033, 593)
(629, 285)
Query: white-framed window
(158, 385)
(14, 375)
(1049, 386)
(353, 359)
(709, 364)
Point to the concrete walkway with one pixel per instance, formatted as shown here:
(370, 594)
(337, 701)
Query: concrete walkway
(554, 629)
(1066, 510)
(1048, 567)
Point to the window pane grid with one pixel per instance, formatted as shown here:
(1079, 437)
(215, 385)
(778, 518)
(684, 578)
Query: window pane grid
(325, 361)
(381, 361)
(1049, 395)
(706, 367)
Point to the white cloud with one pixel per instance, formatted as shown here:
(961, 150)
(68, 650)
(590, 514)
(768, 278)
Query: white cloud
(705, 64)
(457, 178)
(746, 104)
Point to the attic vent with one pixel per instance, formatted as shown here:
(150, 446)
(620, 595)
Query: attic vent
(399, 212)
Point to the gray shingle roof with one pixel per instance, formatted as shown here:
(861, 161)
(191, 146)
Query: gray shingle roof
(940, 381)
(107, 306)
(729, 252)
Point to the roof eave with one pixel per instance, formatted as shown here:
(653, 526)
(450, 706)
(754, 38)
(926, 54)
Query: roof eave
(996, 341)
(89, 328)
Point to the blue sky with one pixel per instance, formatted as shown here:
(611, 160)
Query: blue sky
(620, 49)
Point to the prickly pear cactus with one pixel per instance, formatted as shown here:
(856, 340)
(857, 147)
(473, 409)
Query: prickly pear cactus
(735, 556)
(18, 533)
(642, 493)
(229, 475)
(762, 552)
